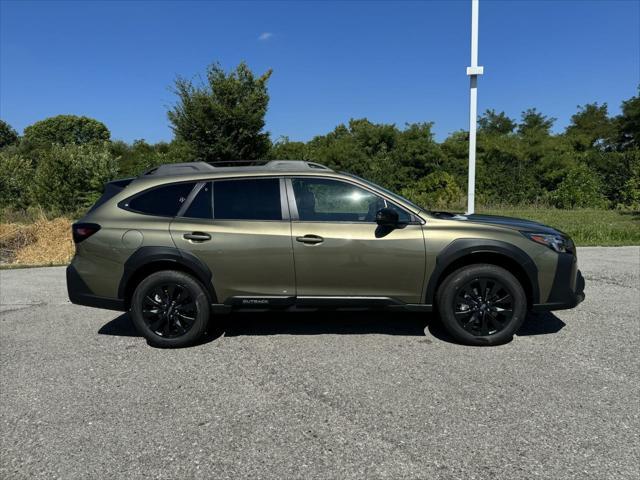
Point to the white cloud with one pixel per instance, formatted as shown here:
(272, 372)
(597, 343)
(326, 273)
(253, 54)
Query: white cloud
(264, 36)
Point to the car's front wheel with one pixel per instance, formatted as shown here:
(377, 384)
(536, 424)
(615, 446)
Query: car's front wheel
(482, 304)
(170, 309)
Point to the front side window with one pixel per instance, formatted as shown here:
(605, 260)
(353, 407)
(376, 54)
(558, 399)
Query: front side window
(326, 200)
(162, 201)
(251, 199)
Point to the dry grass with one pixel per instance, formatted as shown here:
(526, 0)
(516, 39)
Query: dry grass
(44, 242)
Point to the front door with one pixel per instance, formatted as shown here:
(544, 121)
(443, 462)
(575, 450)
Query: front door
(240, 228)
(340, 251)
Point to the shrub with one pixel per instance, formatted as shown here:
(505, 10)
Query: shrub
(631, 189)
(436, 190)
(16, 173)
(69, 178)
(65, 130)
(581, 187)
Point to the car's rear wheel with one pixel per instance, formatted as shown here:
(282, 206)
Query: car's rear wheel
(482, 304)
(170, 309)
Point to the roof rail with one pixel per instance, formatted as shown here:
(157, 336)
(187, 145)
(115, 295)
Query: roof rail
(294, 165)
(210, 167)
(238, 163)
(270, 164)
(179, 169)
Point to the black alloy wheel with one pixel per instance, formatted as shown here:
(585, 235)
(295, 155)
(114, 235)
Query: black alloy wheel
(483, 306)
(169, 310)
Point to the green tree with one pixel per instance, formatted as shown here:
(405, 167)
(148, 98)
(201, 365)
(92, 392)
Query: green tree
(224, 118)
(628, 123)
(492, 123)
(533, 123)
(69, 178)
(591, 127)
(8, 136)
(65, 130)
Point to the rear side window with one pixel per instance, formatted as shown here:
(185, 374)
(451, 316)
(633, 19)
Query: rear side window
(252, 199)
(162, 201)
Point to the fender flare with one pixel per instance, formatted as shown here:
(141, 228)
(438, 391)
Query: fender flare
(145, 256)
(463, 247)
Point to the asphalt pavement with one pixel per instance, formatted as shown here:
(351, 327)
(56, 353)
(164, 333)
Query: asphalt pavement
(322, 395)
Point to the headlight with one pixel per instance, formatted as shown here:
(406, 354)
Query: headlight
(555, 242)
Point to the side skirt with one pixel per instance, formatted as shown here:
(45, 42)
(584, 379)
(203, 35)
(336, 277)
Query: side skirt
(316, 302)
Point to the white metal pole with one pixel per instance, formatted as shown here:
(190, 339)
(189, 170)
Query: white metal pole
(473, 71)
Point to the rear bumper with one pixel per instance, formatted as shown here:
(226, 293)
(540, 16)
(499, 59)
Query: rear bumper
(564, 298)
(80, 294)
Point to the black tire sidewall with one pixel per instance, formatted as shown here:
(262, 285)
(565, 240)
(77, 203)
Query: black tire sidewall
(456, 280)
(200, 297)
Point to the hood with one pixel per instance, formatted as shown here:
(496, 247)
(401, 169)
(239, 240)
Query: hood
(509, 222)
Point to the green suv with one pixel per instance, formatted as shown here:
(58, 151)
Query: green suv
(186, 241)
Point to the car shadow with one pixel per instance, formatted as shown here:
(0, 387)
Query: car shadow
(544, 323)
(333, 322)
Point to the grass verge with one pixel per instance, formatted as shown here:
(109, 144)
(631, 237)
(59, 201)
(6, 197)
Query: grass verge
(586, 226)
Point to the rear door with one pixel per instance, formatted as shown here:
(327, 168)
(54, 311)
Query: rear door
(240, 228)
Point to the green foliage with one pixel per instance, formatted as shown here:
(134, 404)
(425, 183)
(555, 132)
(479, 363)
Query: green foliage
(284, 149)
(628, 124)
(534, 124)
(141, 156)
(591, 127)
(16, 173)
(436, 190)
(69, 178)
(224, 118)
(492, 123)
(581, 188)
(631, 189)
(64, 130)
(8, 136)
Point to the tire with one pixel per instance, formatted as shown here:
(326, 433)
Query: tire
(170, 309)
(488, 319)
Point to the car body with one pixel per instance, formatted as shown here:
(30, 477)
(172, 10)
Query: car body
(289, 234)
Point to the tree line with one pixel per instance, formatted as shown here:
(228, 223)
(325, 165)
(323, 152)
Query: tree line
(59, 164)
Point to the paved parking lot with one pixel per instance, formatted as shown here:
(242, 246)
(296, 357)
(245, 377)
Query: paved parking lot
(322, 395)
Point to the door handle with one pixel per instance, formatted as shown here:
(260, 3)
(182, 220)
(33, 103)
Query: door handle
(310, 239)
(197, 236)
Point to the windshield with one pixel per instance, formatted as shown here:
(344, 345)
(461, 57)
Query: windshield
(388, 192)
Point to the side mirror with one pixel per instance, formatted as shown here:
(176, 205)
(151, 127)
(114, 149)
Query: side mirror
(387, 217)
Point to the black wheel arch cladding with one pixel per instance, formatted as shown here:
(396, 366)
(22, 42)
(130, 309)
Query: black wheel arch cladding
(145, 257)
(474, 248)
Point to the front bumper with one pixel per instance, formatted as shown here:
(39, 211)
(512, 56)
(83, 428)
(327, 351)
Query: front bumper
(567, 291)
(81, 294)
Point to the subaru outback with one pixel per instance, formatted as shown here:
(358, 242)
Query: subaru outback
(184, 242)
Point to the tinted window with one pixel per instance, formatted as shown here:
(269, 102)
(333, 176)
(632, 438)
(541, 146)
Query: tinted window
(403, 215)
(255, 199)
(201, 205)
(327, 200)
(162, 201)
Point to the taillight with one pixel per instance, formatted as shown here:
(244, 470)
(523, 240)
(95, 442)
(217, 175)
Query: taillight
(82, 231)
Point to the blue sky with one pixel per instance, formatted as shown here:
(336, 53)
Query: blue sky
(391, 62)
